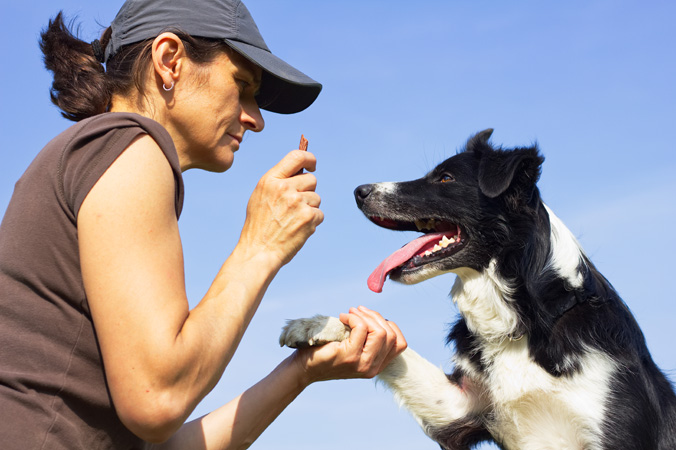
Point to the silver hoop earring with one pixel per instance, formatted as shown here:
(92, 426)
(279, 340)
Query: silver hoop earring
(167, 89)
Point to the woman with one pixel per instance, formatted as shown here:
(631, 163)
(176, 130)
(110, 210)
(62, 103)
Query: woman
(98, 348)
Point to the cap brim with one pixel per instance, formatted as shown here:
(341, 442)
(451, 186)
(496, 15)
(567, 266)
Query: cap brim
(284, 89)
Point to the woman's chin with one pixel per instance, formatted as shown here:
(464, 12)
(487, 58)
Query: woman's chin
(220, 162)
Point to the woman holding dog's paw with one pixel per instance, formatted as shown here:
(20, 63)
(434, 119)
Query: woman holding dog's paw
(98, 348)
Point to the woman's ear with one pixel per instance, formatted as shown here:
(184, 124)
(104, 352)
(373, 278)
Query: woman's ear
(168, 58)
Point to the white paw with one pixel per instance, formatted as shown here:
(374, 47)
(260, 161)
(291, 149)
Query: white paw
(315, 331)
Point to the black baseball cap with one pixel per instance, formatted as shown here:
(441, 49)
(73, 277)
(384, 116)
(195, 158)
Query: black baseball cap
(284, 89)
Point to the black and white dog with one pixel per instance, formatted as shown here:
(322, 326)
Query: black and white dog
(547, 354)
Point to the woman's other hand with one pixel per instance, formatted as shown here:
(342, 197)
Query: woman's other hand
(373, 343)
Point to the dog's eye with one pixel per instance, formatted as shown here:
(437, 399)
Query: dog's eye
(447, 178)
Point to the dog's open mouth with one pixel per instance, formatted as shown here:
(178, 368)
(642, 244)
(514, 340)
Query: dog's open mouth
(441, 240)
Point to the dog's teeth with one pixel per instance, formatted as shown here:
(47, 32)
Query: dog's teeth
(451, 240)
(428, 253)
(436, 248)
(444, 242)
(430, 224)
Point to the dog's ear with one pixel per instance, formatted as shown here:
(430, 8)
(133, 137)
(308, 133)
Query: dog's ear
(479, 140)
(500, 169)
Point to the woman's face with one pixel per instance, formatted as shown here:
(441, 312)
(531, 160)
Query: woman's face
(212, 109)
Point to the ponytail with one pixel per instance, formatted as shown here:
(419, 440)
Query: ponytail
(80, 88)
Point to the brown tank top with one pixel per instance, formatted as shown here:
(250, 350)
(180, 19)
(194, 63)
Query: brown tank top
(53, 392)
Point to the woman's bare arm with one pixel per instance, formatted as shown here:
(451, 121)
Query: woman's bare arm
(160, 357)
(237, 424)
(370, 348)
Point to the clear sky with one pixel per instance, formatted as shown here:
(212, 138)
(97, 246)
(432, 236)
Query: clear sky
(405, 84)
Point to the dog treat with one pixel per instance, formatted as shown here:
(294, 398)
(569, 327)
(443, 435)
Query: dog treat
(302, 146)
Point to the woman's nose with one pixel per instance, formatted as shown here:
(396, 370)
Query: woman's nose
(251, 117)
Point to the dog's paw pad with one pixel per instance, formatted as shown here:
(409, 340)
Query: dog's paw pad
(314, 331)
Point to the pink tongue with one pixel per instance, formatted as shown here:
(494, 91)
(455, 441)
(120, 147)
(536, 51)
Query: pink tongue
(396, 259)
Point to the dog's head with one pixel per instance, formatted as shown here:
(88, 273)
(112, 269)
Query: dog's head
(471, 208)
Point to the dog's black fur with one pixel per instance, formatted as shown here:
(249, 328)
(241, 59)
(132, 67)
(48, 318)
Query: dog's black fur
(491, 195)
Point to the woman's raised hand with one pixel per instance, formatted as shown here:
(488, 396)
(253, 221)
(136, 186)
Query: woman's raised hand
(283, 211)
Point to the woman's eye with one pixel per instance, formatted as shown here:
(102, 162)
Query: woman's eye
(243, 85)
(447, 178)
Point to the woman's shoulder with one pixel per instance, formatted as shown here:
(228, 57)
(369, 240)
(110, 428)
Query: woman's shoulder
(111, 122)
(89, 148)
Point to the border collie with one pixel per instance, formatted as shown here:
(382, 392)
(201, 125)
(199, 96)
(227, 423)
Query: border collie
(547, 355)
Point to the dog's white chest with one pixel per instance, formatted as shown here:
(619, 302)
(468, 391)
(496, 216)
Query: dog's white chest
(535, 410)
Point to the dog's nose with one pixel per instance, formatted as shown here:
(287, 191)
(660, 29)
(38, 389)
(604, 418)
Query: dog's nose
(362, 192)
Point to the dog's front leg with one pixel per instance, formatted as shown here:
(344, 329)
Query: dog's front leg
(448, 413)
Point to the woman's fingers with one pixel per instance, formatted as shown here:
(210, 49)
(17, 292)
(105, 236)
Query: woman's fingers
(311, 199)
(359, 332)
(380, 340)
(293, 162)
(401, 343)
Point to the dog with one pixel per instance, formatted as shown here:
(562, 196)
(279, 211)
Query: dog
(547, 355)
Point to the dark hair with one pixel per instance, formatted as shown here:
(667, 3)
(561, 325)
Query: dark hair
(82, 87)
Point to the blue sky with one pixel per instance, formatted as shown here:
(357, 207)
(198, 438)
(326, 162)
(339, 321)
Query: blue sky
(405, 84)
